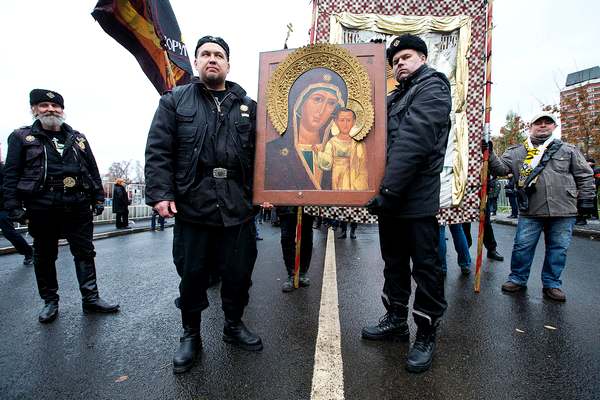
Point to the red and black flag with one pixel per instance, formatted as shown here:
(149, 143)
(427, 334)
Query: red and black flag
(149, 30)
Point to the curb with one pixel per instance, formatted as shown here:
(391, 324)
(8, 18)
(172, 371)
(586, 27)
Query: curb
(591, 234)
(97, 236)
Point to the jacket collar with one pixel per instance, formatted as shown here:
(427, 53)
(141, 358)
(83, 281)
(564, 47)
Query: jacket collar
(231, 87)
(422, 73)
(37, 130)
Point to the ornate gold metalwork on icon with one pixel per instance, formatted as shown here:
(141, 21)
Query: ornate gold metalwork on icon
(322, 55)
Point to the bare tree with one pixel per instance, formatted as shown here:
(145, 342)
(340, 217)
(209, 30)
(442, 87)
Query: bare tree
(139, 172)
(119, 169)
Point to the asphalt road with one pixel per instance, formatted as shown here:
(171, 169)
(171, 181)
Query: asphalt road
(128, 355)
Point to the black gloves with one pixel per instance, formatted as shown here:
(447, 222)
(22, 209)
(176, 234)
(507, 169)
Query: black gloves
(585, 207)
(375, 205)
(489, 145)
(17, 215)
(98, 209)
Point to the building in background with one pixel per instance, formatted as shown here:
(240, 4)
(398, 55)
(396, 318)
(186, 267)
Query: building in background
(580, 111)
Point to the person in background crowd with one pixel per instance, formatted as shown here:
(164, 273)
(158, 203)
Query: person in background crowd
(161, 221)
(581, 218)
(494, 192)
(288, 217)
(344, 229)
(51, 179)
(460, 245)
(120, 204)
(511, 195)
(596, 170)
(8, 229)
(554, 184)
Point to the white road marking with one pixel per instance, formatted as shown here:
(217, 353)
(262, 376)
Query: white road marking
(328, 372)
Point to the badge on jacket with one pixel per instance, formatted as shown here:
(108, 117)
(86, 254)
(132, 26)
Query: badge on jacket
(29, 138)
(81, 143)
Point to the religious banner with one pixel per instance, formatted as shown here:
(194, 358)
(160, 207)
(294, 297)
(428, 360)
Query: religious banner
(149, 30)
(454, 32)
(320, 125)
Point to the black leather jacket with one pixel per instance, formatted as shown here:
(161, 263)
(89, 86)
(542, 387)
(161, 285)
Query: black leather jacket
(418, 127)
(25, 170)
(190, 136)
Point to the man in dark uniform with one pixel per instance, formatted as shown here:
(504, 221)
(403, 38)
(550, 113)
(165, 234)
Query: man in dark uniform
(408, 200)
(51, 172)
(199, 166)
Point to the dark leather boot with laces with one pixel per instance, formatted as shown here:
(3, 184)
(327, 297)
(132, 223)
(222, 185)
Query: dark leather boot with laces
(392, 326)
(420, 355)
(190, 343)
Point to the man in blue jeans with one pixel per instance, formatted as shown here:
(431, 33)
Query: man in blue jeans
(554, 183)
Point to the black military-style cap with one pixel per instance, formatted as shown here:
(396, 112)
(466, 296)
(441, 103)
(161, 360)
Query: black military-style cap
(40, 95)
(404, 42)
(213, 39)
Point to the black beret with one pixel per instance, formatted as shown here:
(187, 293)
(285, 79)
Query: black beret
(213, 39)
(404, 42)
(40, 95)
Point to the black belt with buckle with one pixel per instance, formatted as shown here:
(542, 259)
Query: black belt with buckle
(220, 173)
(54, 183)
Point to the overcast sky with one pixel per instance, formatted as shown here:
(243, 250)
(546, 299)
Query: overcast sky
(57, 45)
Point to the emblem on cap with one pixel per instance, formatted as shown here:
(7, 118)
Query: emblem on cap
(243, 107)
(69, 182)
(284, 152)
(29, 138)
(50, 95)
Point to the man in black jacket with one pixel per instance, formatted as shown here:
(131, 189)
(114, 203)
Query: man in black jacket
(199, 161)
(51, 171)
(408, 200)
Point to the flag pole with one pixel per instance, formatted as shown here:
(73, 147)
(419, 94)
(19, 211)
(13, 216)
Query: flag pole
(298, 244)
(486, 152)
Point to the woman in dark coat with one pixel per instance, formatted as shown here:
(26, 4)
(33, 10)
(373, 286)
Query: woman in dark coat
(120, 204)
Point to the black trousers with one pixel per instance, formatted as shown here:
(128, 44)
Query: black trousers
(489, 240)
(288, 241)
(403, 240)
(122, 219)
(74, 224)
(9, 232)
(198, 248)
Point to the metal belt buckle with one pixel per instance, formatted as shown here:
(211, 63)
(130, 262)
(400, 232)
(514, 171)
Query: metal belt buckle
(220, 173)
(69, 182)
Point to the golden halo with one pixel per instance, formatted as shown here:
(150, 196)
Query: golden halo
(322, 55)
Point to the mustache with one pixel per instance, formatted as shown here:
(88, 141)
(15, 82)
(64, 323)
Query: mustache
(50, 119)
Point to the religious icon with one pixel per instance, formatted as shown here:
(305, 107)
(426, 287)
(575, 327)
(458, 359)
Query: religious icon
(322, 128)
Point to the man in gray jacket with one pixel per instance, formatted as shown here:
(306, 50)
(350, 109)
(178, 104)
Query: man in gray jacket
(553, 182)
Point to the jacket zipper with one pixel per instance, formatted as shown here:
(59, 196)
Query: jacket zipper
(45, 165)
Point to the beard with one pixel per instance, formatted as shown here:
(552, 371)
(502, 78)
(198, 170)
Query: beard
(50, 121)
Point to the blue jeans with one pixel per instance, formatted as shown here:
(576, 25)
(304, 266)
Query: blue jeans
(557, 234)
(460, 245)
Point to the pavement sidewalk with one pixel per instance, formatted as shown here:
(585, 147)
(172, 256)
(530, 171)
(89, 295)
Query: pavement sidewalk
(591, 230)
(101, 231)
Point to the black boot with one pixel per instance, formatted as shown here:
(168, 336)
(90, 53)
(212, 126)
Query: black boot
(91, 301)
(236, 333)
(49, 312)
(494, 255)
(420, 354)
(392, 326)
(189, 344)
